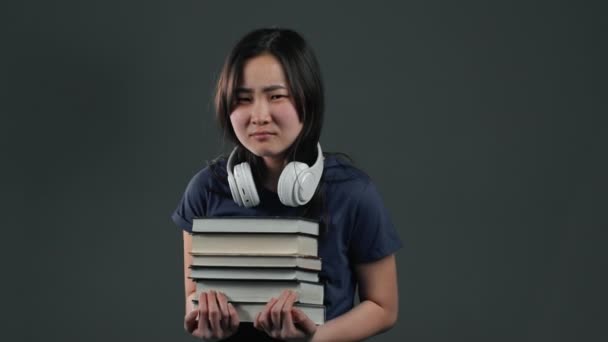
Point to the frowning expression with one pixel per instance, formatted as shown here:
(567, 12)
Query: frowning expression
(265, 119)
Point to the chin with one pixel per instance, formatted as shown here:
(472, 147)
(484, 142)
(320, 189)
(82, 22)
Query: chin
(266, 152)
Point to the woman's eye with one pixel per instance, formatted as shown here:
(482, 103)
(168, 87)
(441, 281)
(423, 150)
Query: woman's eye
(277, 96)
(242, 99)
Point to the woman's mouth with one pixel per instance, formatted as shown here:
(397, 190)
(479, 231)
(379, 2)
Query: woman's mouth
(262, 135)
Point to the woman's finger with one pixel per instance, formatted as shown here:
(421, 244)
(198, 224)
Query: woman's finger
(303, 321)
(264, 316)
(222, 300)
(214, 314)
(234, 318)
(256, 321)
(275, 312)
(203, 317)
(288, 329)
(190, 323)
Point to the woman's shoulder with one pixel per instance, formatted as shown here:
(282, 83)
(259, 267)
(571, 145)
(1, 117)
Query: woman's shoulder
(350, 189)
(340, 172)
(210, 177)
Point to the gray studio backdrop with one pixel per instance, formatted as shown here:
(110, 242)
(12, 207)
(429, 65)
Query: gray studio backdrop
(482, 124)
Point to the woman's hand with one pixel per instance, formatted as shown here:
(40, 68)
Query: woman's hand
(281, 320)
(214, 319)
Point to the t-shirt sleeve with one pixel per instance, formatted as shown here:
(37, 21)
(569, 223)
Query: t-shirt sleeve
(192, 203)
(373, 235)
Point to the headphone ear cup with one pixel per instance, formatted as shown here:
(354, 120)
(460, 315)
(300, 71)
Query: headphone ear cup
(234, 190)
(245, 185)
(292, 178)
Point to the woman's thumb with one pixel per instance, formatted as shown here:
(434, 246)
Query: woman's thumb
(300, 318)
(190, 322)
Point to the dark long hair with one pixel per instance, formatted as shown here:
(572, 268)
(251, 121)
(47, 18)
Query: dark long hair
(303, 76)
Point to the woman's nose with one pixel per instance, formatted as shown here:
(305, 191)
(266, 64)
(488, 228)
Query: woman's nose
(260, 113)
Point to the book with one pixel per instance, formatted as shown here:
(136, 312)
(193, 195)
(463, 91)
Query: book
(257, 224)
(248, 311)
(198, 272)
(254, 244)
(210, 260)
(262, 290)
(252, 259)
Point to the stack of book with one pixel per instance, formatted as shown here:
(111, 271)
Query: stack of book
(252, 259)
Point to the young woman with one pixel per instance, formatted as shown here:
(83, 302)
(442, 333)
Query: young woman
(269, 102)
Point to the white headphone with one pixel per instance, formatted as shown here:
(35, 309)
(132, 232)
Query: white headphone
(297, 183)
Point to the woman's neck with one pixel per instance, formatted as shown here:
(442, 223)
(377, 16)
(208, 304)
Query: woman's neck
(274, 167)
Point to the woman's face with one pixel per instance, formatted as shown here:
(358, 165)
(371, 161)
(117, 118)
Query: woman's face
(265, 119)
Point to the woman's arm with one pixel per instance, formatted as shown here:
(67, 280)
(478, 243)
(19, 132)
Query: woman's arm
(377, 311)
(189, 285)
(215, 318)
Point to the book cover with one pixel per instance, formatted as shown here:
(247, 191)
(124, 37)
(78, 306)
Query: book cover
(248, 311)
(243, 260)
(256, 224)
(262, 290)
(254, 244)
(251, 273)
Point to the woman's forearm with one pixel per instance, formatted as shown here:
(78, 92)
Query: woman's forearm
(364, 320)
(189, 303)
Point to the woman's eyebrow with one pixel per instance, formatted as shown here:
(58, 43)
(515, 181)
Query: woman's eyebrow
(272, 88)
(265, 89)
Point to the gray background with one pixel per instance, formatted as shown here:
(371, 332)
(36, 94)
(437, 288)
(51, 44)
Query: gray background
(482, 123)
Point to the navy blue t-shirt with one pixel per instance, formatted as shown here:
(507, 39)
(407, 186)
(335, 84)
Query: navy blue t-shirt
(359, 228)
